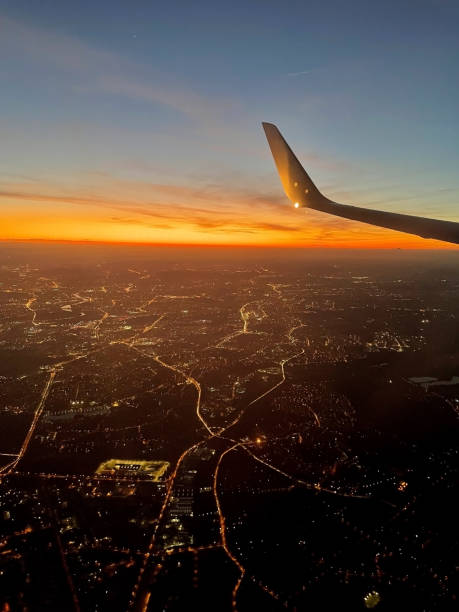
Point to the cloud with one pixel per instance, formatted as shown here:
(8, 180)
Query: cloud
(45, 45)
(294, 74)
(224, 217)
(187, 102)
(222, 121)
(157, 199)
(134, 221)
(94, 69)
(211, 209)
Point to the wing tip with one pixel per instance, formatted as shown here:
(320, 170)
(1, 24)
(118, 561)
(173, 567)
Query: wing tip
(291, 172)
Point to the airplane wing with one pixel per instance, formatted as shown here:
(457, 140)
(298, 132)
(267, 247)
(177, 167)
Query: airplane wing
(304, 194)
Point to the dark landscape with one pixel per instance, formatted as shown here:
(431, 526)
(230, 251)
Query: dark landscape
(283, 429)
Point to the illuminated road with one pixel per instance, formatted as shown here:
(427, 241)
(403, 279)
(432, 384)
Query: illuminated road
(282, 365)
(188, 379)
(245, 316)
(81, 478)
(303, 483)
(140, 595)
(290, 332)
(224, 541)
(82, 299)
(142, 307)
(10, 466)
(28, 305)
(221, 518)
(54, 285)
(104, 316)
(68, 575)
(153, 325)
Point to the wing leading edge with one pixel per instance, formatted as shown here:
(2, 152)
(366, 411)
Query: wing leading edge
(304, 194)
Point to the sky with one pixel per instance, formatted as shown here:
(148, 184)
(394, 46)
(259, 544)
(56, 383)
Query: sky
(141, 121)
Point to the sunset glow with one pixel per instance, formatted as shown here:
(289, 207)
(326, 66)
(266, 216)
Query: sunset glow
(171, 214)
(104, 145)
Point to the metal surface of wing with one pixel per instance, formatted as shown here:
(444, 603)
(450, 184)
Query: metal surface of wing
(304, 194)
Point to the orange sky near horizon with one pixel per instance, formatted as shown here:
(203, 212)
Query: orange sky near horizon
(143, 213)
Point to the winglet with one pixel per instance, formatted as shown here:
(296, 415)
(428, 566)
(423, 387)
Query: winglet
(296, 182)
(303, 193)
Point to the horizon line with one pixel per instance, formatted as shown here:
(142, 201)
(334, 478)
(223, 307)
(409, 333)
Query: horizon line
(380, 247)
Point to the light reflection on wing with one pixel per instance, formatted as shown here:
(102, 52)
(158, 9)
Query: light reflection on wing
(304, 194)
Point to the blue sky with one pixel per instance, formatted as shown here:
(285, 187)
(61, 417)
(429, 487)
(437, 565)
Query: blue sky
(174, 93)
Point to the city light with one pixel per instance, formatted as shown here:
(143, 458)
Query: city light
(212, 393)
(372, 599)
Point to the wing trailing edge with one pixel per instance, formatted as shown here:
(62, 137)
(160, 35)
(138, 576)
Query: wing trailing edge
(300, 189)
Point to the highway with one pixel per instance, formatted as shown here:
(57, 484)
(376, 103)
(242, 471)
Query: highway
(41, 404)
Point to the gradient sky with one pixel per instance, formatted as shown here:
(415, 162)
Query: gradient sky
(140, 121)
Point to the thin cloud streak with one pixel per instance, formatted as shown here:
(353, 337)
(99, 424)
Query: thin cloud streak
(294, 74)
(158, 221)
(89, 69)
(234, 212)
(104, 71)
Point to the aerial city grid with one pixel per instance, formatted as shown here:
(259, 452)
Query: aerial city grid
(230, 435)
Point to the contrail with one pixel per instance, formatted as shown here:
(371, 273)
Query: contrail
(299, 73)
